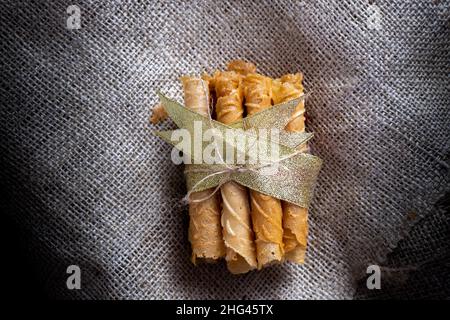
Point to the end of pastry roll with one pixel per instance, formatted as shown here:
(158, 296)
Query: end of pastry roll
(242, 67)
(287, 88)
(257, 92)
(229, 94)
(295, 225)
(267, 225)
(158, 114)
(205, 231)
(237, 230)
(196, 94)
(296, 255)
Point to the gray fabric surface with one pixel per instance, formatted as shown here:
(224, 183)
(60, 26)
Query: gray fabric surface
(419, 267)
(91, 186)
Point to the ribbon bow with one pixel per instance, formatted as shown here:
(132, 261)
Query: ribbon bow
(287, 174)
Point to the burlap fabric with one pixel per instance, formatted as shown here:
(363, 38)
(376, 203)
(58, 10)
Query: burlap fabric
(91, 186)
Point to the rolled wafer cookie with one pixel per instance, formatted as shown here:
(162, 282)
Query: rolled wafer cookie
(295, 218)
(236, 223)
(266, 211)
(205, 232)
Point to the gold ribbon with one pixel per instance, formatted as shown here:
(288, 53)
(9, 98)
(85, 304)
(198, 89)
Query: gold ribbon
(296, 172)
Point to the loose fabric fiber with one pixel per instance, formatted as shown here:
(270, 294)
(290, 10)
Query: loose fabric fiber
(91, 186)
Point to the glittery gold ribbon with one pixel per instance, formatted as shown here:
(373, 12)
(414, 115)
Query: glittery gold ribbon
(296, 172)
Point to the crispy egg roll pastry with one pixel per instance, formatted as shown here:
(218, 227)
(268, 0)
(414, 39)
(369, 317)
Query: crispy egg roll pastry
(236, 221)
(295, 218)
(205, 232)
(241, 67)
(266, 211)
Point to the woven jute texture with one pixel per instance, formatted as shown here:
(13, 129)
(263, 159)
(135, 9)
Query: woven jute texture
(90, 185)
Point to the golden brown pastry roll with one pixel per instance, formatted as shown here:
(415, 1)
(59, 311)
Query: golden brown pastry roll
(229, 95)
(237, 228)
(236, 224)
(266, 211)
(257, 92)
(295, 218)
(241, 67)
(205, 232)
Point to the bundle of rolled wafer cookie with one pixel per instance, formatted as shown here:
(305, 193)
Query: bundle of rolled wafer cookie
(250, 230)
